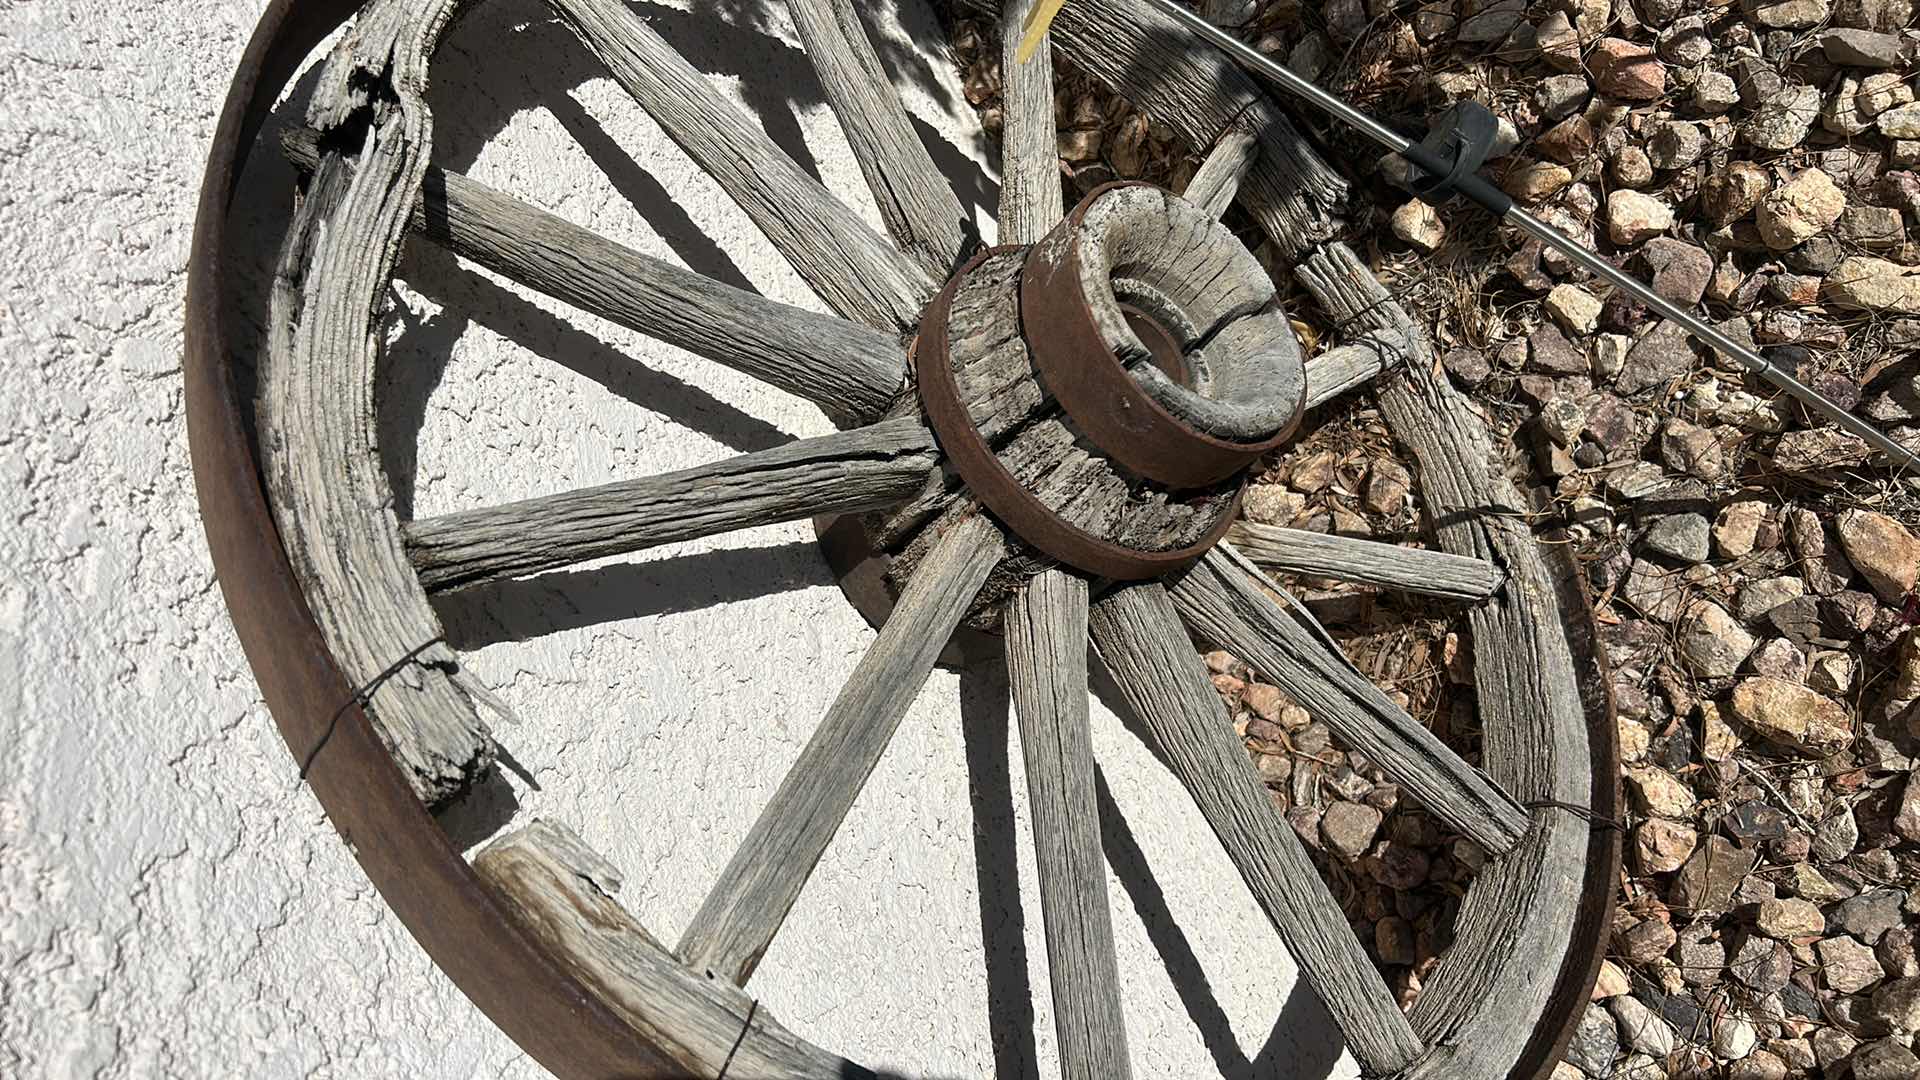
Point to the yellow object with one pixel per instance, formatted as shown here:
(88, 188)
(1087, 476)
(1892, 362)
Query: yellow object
(1038, 20)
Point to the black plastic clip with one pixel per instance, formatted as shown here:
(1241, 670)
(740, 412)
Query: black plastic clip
(1448, 160)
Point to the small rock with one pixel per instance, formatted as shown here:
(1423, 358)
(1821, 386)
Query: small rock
(1349, 827)
(1568, 142)
(1801, 208)
(1789, 14)
(1712, 642)
(1884, 552)
(1633, 217)
(1663, 846)
(1831, 1046)
(1759, 1065)
(1781, 659)
(1562, 419)
(1676, 144)
(1879, 228)
(1611, 982)
(1786, 919)
(1492, 22)
(1557, 41)
(1272, 504)
(1869, 915)
(1533, 181)
(1469, 367)
(1899, 122)
(1642, 1028)
(1558, 96)
(1734, 1037)
(1789, 715)
(1763, 964)
(1848, 966)
(1550, 353)
(1831, 673)
(1677, 270)
(1419, 225)
(1657, 592)
(1595, 1042)
(1683, 537)
(1781, 121)
(1388, 483)
(1862, 48)
(1881, 92)
(1707, 882)
(1393, 940)
(1624, 69)
(1656, 792)
(1737, 526)
(1896, 1007)
(1825, 569)
(1836, 836)
(1885, 1059)
(1631, 167)
(1574, 308)
(1717, 740)
(1734, 192)
(1662, 354)
(1685, 41)
(1693, 450)
(1645, 941)
(1715, 92)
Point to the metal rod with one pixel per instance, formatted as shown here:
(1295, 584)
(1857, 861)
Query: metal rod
(1258, 62)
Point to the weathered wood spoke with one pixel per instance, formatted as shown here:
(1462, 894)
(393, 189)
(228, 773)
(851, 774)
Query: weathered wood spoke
(1046, 633)
(1030, 199)
(1224, 598)
(851, 371)
(743, 912)
(1140, 639)
(1365, 562)
(1347, 367)
(1218, 180)
(853, 268)
(560, 892)
(848, 471)
(922, 212)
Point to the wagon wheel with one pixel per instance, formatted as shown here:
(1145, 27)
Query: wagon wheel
(1063, 478)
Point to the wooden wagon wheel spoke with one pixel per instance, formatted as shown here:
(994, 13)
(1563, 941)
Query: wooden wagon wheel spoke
(1046, 629)
(845, 472)
(1224, 598)
(1143, 645)
(745, 908)
(922, 212)
(1365, 562)
(1218, 179)
(850, 370)
(1030, 201)
(853, 268)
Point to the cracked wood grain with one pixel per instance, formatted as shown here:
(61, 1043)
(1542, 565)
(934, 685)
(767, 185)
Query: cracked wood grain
(561, 892)
(1365, 562)
(851, 371)
(849, 471)
(1046, 635)
(1218, 179)
(1141, 642)
(1224, 598)
(1030, 194)
(922, 212)
(849, 265)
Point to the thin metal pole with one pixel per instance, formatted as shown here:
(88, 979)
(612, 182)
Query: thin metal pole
(1260, 63)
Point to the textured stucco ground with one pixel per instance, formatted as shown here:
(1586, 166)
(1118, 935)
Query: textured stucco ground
(173, 903)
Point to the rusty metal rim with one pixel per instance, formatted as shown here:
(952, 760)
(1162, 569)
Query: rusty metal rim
(447, 908)
(1077, 366)
(1001, 492)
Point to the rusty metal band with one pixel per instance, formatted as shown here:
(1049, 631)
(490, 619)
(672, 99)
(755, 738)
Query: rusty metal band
(454, 915)
(1077, 366)
(999, 490)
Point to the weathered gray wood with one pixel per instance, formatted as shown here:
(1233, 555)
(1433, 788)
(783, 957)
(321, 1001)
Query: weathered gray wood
(1225, 599)
(920, 208)
(851, 371)
(561, 892)
(1143, 246)
(329, 493)
(1144, 647)
(1515, 924)
(1216, 183)
(1030, 198)
(849, 471)
(1346, 367)
(743, 912)
(1046, 634)
(1137, 50)
(853, 268)
(1366, 562)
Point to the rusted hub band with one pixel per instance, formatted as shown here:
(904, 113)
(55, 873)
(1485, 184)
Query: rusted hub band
(1086, 342)
(990, 482)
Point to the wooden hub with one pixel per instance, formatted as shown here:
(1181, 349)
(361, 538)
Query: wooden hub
(1101, 393)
